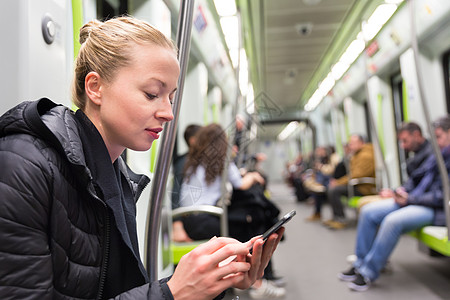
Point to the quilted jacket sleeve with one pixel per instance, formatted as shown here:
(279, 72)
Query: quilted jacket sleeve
(155, 290)
(25, 185)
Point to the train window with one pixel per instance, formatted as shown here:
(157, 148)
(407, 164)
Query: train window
(368, 127)
(107, 9)
(446, 68)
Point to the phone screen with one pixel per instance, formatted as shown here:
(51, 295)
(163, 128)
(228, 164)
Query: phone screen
(277, 226)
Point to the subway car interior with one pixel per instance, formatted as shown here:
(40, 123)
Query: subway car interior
(287, 80)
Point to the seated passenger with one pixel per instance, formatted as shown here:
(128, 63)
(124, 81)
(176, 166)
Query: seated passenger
(332, 169)
(411, 140)
(294, 171)
(180, 161)
(318, 179)
(203, 179)
(413, 206)
(362, 164)
(202, 186)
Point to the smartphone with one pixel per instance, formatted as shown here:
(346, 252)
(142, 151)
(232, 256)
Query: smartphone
(277, 226)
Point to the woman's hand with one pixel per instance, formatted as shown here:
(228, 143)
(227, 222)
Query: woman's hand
(199, 275)
(219, 264)
(262, 252)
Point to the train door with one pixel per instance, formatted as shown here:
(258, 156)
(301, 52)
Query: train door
(379, 94)
(446, 69)
(400, 116)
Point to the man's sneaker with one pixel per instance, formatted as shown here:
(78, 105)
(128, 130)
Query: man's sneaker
(351, 258)
(348, 275)
(277, 281)
(360, 284)
(267, 291)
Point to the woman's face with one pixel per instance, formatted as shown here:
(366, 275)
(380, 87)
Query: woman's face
(137, 102)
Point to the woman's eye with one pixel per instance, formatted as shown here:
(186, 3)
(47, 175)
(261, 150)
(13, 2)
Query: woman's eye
(151, 96)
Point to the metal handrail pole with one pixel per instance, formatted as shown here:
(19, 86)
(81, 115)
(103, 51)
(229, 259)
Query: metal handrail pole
(437, 152)
(162, 169)
(231, 136)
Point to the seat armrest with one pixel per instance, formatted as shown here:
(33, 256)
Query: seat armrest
(188, 210)
(361, 180)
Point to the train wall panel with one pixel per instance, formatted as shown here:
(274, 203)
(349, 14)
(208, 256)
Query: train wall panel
(380, 95)
(31, 68)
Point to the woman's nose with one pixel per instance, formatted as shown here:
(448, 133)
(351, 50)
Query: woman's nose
(165, 111)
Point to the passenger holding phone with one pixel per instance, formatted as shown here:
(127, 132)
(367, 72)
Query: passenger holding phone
(68, 199)
(411, 140)
(419, 202)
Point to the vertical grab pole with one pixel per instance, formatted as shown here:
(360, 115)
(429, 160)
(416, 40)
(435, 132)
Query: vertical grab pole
(437, 152)
(224, 218)
(167, 143)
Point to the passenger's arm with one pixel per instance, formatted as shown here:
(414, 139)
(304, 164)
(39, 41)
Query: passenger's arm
(250, 179)
(433, 197)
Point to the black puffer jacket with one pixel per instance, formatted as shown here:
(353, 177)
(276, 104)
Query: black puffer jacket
(54, 219)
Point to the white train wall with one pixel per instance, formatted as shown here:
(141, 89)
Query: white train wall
(394, 54)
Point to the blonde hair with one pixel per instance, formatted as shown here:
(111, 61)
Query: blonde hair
(104, 49)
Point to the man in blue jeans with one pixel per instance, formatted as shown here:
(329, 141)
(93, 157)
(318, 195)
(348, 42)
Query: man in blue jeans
(413, 206)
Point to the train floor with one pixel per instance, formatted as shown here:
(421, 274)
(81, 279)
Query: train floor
(312, 255)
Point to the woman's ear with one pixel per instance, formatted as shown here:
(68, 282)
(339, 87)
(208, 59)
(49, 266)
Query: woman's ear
(92, 86)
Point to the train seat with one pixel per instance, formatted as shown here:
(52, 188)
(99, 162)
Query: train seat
(181, 248)
(434, 237)
(352, 200)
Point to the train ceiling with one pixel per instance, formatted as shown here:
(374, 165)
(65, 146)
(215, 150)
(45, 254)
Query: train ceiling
(290, 45)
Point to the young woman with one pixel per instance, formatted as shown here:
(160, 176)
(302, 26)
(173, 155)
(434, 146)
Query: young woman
(203, 178)
(67, 217)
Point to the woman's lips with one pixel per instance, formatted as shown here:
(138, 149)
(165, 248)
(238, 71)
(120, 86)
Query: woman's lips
(154, 132)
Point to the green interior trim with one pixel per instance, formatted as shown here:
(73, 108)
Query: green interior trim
(440, 245)
(205, 112)
(153, 155)
(405, 101)
(339, 147)
(180, 249)
(380, 128)
(215, 112)
(353, 201)
(77, 16)
(347, 127)
(77, 22)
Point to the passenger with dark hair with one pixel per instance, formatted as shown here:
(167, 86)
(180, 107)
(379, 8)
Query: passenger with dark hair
(412, 141)
(416, 204)
(68, 200)
(180, 161)
(202, 186)
(362, 164)
(317, 179)
(202, 180)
